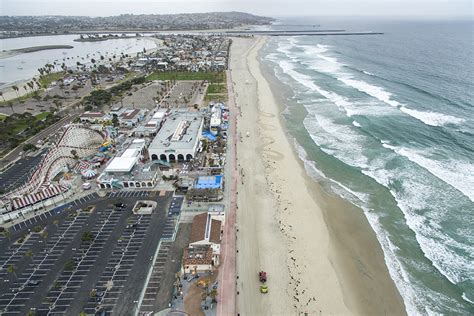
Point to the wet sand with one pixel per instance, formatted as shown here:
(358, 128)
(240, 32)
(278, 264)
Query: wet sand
(319, 251)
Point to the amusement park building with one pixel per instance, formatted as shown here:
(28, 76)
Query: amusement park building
(178, 138)
(127, 170)
(92, 117)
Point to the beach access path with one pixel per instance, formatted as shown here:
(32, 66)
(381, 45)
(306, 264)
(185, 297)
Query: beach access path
(319, 252)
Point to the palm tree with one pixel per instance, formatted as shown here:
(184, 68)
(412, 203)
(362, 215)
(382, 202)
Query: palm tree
(11, 269)
(10, 104)
(31, 85)
(16, 90)
(213, 295)
(6, 234)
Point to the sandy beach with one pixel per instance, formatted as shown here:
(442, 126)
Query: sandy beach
(319, 251)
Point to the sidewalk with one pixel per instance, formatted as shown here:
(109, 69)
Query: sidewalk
(227, 277)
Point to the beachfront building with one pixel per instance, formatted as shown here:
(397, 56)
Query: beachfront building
(206, 189)
(215, 122)
(179, 137)
(203, 251)
(129, 169)
(197, 260)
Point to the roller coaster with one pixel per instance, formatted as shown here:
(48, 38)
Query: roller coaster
(76, 141)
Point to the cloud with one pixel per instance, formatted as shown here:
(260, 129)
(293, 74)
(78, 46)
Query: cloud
(409, 8)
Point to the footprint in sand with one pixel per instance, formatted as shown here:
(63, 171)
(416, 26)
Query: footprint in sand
(273, 154)
(266, 114)
(265, 141)
(267, 127)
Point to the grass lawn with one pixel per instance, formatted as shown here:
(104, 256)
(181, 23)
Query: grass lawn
(216, 92)
(176, 75)
(216, 88)
(42, 116)
(2, 117)
(46, 80)
(22, 125)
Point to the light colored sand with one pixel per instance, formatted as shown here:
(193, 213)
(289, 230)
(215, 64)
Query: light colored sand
(320, 254)
(10, 94)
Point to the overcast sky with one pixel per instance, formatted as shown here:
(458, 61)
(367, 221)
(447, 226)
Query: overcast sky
(399, 8)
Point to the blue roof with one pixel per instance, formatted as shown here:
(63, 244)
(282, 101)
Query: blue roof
(209, 136)
(209, 182)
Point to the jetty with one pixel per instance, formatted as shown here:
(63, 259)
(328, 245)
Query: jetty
(299, 33)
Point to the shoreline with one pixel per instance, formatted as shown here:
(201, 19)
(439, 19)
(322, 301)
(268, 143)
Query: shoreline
(334, 263)
(31, 49)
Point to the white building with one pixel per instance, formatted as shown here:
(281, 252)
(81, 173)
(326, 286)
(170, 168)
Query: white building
(127, 170)
(92, 117)
(203, 252)
(216, 119)
(178, 138)
(130, 117)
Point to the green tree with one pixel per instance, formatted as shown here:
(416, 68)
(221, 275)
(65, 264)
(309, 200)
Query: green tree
(10, 104)
(28, 147)
(213, 295)
(15, 88)
(115, 121)
(11, 269)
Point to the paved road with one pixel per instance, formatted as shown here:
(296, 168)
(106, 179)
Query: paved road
(15, 153)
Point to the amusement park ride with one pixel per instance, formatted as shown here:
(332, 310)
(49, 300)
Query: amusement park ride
(76, 142)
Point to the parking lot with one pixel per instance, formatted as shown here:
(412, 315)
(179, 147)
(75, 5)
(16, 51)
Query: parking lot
(83, 260)
(18, 173)
(184, 91)
(144, 97)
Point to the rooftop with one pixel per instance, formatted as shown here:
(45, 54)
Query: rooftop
(180, 131)
(208, 182)
(121, 164)
(129, 114)
(197, 255)
(92, 114)
(139, 172)
(205, 228)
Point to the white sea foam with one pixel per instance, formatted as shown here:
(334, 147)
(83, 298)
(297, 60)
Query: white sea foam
(414, 199)
(458, 174)
(315, 173)
(432, 118)
(464, 297)
(356, 124)
(374, 91)
(331, 65)
(405, 285)
(417, 194)
(306, 81)
(337, 140)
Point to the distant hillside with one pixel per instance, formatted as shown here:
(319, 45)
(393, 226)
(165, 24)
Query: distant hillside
(143, 22)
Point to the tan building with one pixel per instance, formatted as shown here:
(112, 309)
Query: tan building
(198, 259)
(204, 248)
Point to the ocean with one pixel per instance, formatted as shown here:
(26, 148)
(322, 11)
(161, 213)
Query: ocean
(387, 122)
